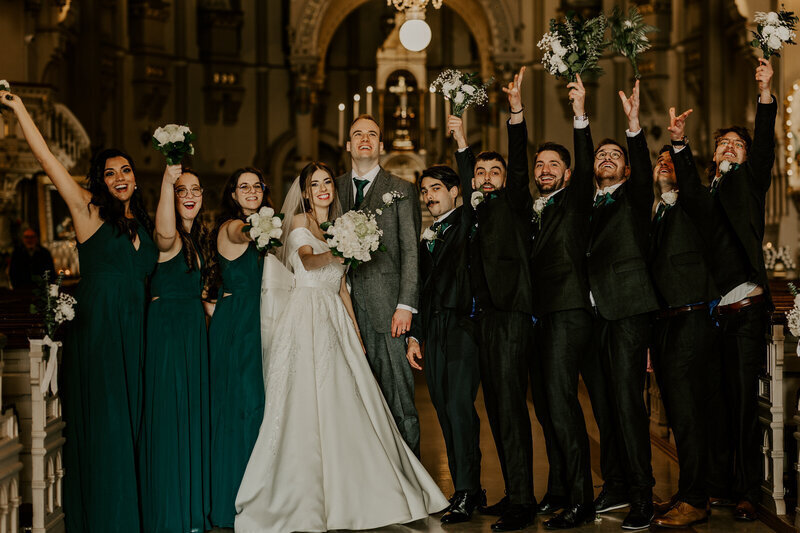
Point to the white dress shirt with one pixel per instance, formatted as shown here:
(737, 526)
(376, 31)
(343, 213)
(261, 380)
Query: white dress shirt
(369, 176)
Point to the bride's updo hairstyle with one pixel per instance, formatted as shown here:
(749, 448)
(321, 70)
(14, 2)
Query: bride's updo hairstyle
(305, 185)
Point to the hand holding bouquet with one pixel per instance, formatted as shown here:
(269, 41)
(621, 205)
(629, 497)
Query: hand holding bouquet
(773, 31)
(463, 90)
(573, 46)
(629, 35)
(174, 142)
(265, 228)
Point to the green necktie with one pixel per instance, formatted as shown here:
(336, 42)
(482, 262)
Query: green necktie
(662, 208)
(360, 186)
(602, 200)
(435, 228)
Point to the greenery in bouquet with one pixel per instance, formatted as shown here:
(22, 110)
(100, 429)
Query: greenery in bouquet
(574, 45)
(462, 90)
(174, 141)
(629, 35)
(773, 31)
(54, 306)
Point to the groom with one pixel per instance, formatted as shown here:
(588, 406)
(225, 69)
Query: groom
(385, 289)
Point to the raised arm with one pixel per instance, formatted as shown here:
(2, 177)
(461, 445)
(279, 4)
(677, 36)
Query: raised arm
(640, 183)
(583, 146)
(76, 197)
(518, 177)
(166, 235)
(762, 152)
(465, 159)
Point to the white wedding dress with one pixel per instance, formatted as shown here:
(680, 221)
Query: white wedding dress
(328, 454)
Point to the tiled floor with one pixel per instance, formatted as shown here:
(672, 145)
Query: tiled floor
(435, 460)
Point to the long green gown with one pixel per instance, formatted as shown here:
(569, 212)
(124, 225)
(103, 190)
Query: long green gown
(101, 385)
(237, 382)
(174, 446)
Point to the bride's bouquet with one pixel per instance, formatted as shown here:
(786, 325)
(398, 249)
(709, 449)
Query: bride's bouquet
(629, 35)
(463, 90)
(265, 228)
(573, 46)
(773, 31)
(174, 142)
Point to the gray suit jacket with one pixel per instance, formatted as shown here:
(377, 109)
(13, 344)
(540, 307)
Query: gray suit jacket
(391, 276)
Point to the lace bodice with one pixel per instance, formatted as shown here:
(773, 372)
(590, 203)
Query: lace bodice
(327, 277)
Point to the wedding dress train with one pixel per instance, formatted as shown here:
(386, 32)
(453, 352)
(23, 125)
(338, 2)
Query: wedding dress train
(328, 454)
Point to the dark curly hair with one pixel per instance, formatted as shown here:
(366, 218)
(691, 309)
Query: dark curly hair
(742, 132)
(111, 209)
(197, 241)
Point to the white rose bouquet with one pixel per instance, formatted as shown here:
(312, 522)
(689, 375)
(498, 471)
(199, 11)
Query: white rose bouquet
(265, 228)
(573, 46)
(54, 306)
(463, 90)
(174, 142)
(629, 35)
(773, 31)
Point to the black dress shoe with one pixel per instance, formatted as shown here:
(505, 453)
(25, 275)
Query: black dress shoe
(640, 516)
(497, 509)
(574, 516)
(606, 501)
(550, 504)
(463, 505)
(515, 517)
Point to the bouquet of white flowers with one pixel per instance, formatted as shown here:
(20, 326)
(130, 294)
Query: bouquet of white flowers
(55, 306)
(5, 86)
(573, 46)
(773, 30)
(174, 142)
(265, 228)
(793, 315)
(463, 90)
(629, 35)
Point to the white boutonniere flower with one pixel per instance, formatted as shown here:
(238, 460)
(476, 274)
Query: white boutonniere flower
(725, 167)
(539, 205)
(428, 235)
(669, 197)
(476, 199)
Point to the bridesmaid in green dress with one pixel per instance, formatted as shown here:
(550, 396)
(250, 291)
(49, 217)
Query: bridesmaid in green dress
(237, 383)
(101, 388)
(175, 442)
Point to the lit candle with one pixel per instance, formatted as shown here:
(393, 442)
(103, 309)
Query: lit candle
(341, 124)
(356, 100)
(433, 107)
(464, 121)
(369, 99)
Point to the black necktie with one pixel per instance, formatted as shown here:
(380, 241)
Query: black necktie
(360, 186)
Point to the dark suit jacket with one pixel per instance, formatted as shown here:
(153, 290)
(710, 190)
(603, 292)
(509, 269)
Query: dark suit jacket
(619, 240)
(681, 239)
(504, 224)
(558, 256)
(742, 192)
(391, 276)
(444, 274)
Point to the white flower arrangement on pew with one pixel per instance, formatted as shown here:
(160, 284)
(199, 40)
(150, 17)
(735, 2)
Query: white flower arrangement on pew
(265, 228)
(793, 316)
(574, 45)
(774, 30)
(54, 306)
(174, 141)
(629, 35)
(355, 235)
(463, 90)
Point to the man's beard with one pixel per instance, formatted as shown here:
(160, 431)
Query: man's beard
(554, 185)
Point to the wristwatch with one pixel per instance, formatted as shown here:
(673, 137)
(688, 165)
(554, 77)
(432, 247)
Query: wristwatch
(682, 142)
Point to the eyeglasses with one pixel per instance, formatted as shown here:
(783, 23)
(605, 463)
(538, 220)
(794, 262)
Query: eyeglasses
(183, 192)
(611, 154)
(728, 142)
(246, 188)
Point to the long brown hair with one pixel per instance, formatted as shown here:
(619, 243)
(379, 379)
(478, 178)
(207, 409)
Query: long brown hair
(197, 241)
(305, 184)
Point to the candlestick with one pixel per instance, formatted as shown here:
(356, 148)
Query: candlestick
(369, 99)
(356, 100)
(341, 124)
(433, 107)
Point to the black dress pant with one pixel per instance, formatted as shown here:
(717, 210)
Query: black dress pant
(560, 341)
(453, 375)
(505, 338)
(735, 462)
(680, 354)
(615, 377)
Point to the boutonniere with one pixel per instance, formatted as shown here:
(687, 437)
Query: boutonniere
(430, 235)
(388, 199)
(538, 208)
(670, 197)
(726, 166)
(476, 199)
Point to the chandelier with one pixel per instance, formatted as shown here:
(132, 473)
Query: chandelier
(402, 5)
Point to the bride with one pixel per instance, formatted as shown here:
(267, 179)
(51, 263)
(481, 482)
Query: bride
(328, 454)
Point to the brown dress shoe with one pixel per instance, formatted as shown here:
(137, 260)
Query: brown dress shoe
(681, 515)
(660, 508)
(745, 511)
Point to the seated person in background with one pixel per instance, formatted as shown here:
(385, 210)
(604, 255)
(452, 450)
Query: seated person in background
(29, 261)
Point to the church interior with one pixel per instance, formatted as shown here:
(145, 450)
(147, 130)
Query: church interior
(273, 84)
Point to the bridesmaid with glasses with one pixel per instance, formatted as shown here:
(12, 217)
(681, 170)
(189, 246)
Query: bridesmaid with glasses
(237, 382)
(174, 450)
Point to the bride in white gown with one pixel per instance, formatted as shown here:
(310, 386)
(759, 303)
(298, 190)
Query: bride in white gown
(328, 454)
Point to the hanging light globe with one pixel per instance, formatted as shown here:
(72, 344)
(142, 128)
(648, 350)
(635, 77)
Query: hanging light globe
(415, 34)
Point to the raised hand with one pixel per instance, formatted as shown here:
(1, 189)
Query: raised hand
(630, 104)
(456, 127)
(172, 173)
(514, 94)
(11, 100)
(677, 125)
(413, 353)
(577, 95)
(764, 74)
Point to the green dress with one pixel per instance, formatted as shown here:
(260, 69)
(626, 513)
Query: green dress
(175, 440)
(237, 382)
(101, 383)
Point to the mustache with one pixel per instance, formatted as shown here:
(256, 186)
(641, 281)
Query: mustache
(430, 203)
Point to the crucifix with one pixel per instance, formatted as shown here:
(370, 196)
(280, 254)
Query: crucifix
(402, 90)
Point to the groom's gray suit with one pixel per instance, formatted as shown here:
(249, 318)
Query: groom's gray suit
(380, 285)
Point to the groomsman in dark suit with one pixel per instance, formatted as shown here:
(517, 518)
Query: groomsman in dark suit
(499, 251)
(741, 174)
(563, 329)
(444, 325)
(622, 294)
(683, 329)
